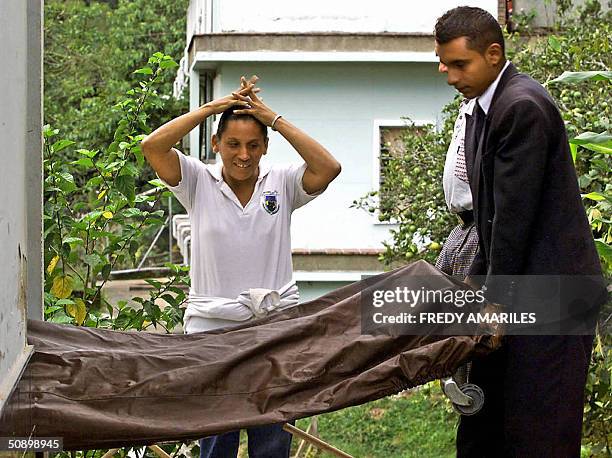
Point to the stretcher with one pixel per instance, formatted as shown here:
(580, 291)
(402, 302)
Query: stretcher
(99, 388)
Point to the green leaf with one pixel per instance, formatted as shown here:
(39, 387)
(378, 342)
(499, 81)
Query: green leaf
(604, 250)
(584, 181)
(169, 63)
(152, 310)
(156, 57)
(130, 169)
(126, 185)
(84, 162)
(64, 302)
(604, 138)
(66, 182)
(133, 249)
(155, 222)
(60, 318)
(93, 259)
(600, 143)
(106, 270)
(554, 43)
(578, 77)
(157, 183)
(131, 212)
(154, 283)
(169, 299)
(139, 156)
(51, 309)
(61, 144)
(594, 196)
(598, 148)
(86, 152)
(93, 216)
(574, 151)
(176, 290)
(72, 240)
(144, 71)
(95, 181)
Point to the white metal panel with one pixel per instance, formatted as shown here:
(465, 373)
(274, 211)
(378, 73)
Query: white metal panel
(335, 16)
(20, 206)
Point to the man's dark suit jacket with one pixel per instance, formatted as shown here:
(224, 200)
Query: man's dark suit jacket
(527, 205)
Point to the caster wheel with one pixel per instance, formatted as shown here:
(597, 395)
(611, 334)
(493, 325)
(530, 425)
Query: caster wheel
(477, 395)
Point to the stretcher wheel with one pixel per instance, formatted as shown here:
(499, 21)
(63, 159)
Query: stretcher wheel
(477, 396)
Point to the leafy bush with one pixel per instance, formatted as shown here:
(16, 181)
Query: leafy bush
(89, 229)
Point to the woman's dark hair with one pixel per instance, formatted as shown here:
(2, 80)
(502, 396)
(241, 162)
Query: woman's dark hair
(229, 115)
(477, 25)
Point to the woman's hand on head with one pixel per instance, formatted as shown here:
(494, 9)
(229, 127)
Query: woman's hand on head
(235, 99)
(254, 105)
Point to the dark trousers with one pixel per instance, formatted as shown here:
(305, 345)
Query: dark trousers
(268, 441)
(534, 396)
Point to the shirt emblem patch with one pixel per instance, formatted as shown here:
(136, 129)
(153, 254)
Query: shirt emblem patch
(269, 202)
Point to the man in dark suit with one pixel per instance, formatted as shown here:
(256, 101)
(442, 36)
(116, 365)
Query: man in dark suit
(536, 251)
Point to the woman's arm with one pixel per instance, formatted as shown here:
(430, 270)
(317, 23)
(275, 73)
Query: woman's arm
(157, 147)
(321, 166)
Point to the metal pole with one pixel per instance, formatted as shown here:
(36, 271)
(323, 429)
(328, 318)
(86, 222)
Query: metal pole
(144, 258)
(171, 260)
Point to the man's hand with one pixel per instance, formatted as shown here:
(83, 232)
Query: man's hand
(472, 282)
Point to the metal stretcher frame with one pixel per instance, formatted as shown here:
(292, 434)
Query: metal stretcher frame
(103, 389)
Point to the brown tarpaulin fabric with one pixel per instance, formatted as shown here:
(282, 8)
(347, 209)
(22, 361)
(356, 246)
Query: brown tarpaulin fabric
(101, 389)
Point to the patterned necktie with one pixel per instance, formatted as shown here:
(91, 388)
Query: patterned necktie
(460, 167)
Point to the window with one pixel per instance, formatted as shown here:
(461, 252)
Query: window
(206, 128)
(388, 142)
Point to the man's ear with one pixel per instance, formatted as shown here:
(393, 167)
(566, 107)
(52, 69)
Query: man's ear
(215, 143)
(494, 54)
(266, 145)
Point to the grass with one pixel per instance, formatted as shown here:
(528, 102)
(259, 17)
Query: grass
(417, 423)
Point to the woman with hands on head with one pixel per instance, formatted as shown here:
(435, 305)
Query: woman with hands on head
(240, 212)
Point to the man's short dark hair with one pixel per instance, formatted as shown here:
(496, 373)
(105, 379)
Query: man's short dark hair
(477, 25)
(229, 115)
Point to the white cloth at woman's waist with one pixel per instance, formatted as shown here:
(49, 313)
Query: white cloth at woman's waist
(208, 312)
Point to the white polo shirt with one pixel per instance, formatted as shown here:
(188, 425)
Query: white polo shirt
(236, 248)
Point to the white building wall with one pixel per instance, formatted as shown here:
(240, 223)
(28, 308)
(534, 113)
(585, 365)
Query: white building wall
(338, 104)
(333, 16)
